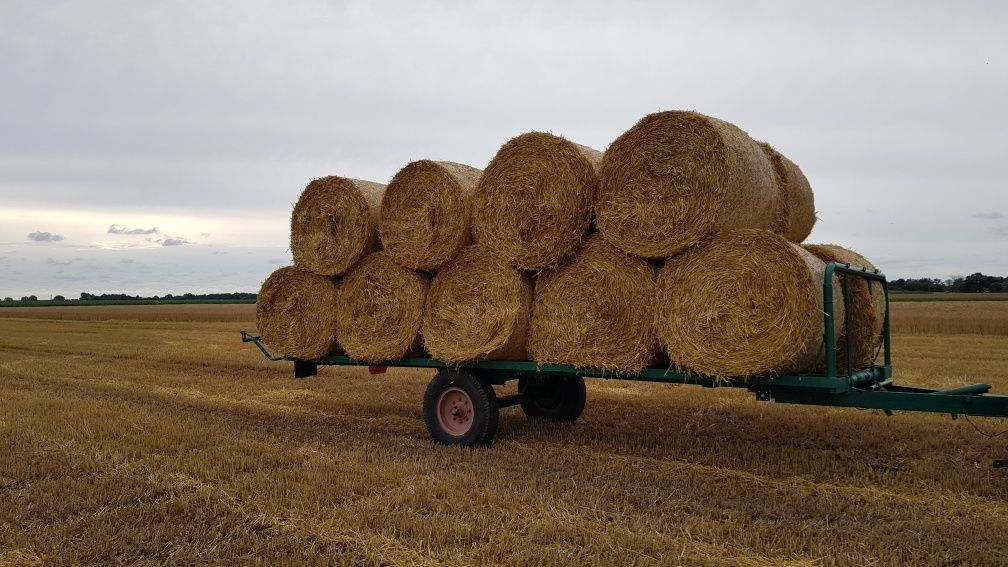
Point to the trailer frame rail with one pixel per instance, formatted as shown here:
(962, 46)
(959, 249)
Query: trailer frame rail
(870, 387)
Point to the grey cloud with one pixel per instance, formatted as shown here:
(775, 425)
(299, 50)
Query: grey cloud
(205, 235)
(123, 127)
(128, 261)
(53, 262)
(1001, 231)
(993, 215)
(178, 241)
(39, 236)
(117, 229)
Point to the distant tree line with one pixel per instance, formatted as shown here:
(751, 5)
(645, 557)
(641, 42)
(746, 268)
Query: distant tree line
(84, 296)
(973, 283)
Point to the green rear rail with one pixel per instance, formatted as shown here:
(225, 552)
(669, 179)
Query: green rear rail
(869, 387)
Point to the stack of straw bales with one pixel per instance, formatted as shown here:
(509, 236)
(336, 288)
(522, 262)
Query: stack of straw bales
(681, 244)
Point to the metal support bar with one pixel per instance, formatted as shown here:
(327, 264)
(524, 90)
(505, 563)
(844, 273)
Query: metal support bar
(848, 328)
(898, 400)
(247, 338)
(972, 389)
(829, 336)
(866, 388)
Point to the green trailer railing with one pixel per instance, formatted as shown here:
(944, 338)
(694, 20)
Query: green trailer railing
(460, 406)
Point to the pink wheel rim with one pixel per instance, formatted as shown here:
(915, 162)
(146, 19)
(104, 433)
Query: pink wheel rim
(455, 411)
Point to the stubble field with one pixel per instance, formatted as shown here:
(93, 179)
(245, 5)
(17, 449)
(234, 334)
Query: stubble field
(151, 435)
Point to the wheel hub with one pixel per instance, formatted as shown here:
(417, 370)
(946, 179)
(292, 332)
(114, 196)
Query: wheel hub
(455, 411)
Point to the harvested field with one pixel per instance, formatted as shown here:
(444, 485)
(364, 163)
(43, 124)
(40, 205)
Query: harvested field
(244, 312)
(952, 317)
(949, 296)
(156, 441)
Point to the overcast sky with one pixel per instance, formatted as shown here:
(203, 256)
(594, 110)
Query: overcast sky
(159, 147)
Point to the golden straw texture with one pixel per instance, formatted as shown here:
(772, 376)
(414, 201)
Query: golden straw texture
(296, 314)
(380, 306)
(534, 201)
(796, 204)
(867, 307)
(478, 308)
(676, 177)
(743, 302)
(596, 310)
(425, 213)
(334, 224)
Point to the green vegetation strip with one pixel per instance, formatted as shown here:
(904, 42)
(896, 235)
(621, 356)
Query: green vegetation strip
(78, 303)
(897, 298)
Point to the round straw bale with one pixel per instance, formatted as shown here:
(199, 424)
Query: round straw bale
(676, 177)
(534, 201)
(425, 213)
(867, 307)
(334, 224)
(478, 308)
(380, 305)
(796, 204)
(296, 314)
(595, 310)
(741, 303)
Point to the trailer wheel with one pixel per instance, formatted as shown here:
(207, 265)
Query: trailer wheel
(556, 398)
(460, 409)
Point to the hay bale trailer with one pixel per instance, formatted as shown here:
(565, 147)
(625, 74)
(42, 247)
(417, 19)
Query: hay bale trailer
(461, 406)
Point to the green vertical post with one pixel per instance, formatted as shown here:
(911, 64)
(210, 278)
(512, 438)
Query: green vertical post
(848, 328)
(886, 338)
(829, 338)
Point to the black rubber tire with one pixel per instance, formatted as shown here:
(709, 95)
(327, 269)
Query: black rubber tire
(556, 398)
(486, 412)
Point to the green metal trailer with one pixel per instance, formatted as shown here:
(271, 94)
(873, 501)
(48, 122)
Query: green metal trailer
(462, 408)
